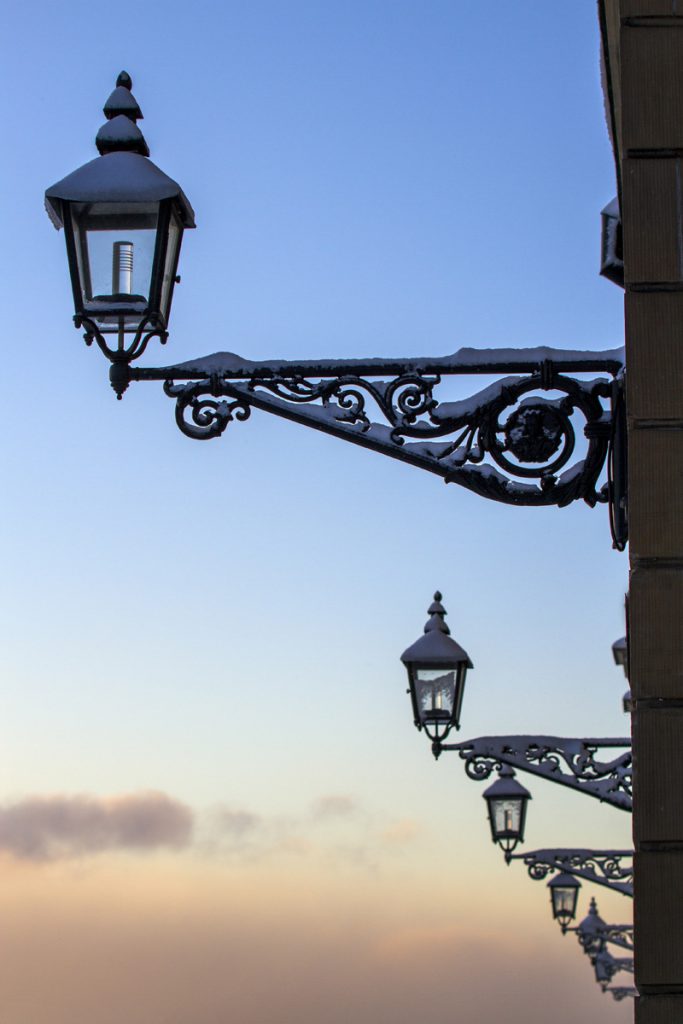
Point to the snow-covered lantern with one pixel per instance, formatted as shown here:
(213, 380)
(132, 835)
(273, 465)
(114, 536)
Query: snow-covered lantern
(507, 803)
(564, 893)
(591, 931)
(437, 668)
(123, 221)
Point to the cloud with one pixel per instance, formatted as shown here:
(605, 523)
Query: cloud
(237, 824)
(334, 806)
(58, 827)
(401, 832)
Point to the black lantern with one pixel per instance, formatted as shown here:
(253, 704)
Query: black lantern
(507, 802)
(123, 221)
(606, 966)
(627, 702)
(591, 931)
(564, 893)
(437, 668)
(620, 654)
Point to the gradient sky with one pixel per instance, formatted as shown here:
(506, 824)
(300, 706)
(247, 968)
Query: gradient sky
(214, 805)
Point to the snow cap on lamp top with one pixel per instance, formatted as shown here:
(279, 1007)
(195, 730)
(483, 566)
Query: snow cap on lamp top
(123, 173)
(436, 647)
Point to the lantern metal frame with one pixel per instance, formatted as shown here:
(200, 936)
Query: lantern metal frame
(506, 788)
(564, 880)
(436, 651)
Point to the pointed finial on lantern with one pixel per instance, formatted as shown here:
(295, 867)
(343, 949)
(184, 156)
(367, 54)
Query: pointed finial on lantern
(120, 134)
(437, 614)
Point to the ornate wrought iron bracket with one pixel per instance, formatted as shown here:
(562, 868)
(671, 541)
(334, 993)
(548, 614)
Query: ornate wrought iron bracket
(620, 992)
(612, 869)
(566, 760)
(536, 436)
(617, 934)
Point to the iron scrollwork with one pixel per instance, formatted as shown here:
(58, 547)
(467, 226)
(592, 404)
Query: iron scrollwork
(610, 868)
(514, 441)
(568, 761)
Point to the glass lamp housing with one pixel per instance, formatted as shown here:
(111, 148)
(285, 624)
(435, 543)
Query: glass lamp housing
(620, 654)
(123, 221)
(507, 802)
(437, 670)
(123, 260)
(605, 967)
(564, 893)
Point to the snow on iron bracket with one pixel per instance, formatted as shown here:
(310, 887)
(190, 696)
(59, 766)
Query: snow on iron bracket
(568, 761)
(612, 869)
(513, 441)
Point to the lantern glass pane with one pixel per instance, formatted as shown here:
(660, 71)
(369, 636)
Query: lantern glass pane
(435, 695)
(171, 265)
(564, 900)
(506, 817)
(115, 245)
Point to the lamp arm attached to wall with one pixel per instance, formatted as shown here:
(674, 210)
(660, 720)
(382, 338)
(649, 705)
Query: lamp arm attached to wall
(612, 869)
(569, 761)
(513, 441)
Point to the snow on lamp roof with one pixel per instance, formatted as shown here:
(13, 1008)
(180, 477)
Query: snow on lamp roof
(122, 101)
(435, 646)
(122, 173)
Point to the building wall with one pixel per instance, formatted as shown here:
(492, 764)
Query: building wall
(650, 92)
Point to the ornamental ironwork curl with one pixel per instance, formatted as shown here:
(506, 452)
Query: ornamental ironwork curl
(569, 761)
(202, 417)
(514, 441)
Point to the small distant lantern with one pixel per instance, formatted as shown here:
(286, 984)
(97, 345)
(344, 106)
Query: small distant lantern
(627, 702)
(591, 931)
(606, 966)
(620, 654)
(507, 802)
(564, 893)
(612, 246)
(437, 668)
(123, 221)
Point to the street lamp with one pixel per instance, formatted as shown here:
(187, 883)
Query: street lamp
(535, 437)
(507, 802)
(437, 669)
(564, 893)
(620, 654)
(123, 221)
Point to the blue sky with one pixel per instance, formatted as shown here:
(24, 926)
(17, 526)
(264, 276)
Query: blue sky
(222, 622)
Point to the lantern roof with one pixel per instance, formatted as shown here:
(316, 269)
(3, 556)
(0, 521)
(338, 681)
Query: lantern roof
(506, 787)
(619, 649)
(592, 923)
(123, 173)
(436, 647)
(564, 881)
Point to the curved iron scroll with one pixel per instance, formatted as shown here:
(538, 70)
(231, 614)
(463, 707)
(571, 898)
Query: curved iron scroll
(612, 869)
(514, 441)
(569, 761)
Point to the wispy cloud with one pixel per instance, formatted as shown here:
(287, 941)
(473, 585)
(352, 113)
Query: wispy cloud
(333, 806)
(44, 828)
